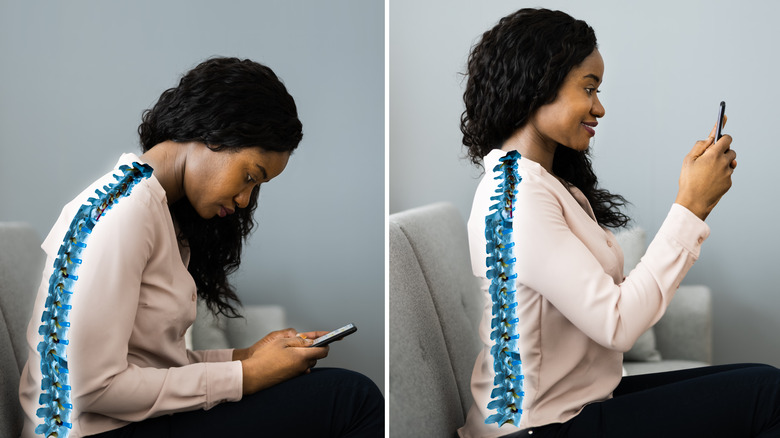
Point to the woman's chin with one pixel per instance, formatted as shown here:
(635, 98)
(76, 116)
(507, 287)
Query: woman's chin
(207, 215)
(579, 147)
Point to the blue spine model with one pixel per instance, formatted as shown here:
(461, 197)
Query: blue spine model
(507, 396)
(55, 398)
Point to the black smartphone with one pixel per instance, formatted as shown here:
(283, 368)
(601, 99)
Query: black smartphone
(721, 113)
(335, 335)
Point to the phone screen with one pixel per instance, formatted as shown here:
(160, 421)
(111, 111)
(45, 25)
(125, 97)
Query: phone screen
(721, 113)
(335, 335)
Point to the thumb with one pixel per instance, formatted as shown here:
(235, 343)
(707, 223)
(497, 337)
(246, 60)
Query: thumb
(701, 146)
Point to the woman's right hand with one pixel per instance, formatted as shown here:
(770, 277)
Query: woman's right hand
(278, 358)
(706, 175)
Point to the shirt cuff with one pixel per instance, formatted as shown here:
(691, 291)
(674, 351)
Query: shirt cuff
(224, 382)
(685, 228)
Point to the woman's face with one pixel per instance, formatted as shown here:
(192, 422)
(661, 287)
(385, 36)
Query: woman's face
(218, 182)
(571, 118)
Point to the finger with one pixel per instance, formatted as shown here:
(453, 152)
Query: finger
(284, 333)
(701, 146)
(723, 144)
(314, 334)
(296, 341)
(731, 158)
(318, 352)
(289, 332)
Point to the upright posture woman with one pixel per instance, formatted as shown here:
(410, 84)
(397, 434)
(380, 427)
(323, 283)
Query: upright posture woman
(558, 312)
(127, 259)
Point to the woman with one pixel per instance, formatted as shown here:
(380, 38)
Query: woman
(566, 318)
(168, 227)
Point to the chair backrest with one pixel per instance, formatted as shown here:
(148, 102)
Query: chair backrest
(21, 267)
(435, 307)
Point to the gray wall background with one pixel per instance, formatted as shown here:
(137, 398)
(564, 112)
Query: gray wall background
(667, 66)
(75, 77)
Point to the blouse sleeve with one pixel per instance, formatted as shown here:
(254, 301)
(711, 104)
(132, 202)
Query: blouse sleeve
(106, 296)
(220, 355)
(553, 261)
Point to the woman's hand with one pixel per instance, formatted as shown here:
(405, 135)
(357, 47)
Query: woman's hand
(706, 175)
(277, 357)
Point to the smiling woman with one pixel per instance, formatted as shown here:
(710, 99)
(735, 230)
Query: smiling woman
(209, 143)
(558, 312)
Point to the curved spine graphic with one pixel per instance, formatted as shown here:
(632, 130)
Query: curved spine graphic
(507, 396)
(55, 398)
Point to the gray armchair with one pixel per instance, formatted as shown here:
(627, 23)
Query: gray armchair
(435, 309)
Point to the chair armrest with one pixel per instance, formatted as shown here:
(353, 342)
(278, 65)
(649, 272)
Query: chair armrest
(685, 331)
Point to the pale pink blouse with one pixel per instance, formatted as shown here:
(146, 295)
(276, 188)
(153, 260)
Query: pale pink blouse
(577, 314)
(132, 303)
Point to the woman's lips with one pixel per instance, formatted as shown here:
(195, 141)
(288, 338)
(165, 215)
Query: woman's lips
(223, 211)
(589, 127)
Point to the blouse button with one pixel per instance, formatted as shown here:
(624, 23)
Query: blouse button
(701, 239)
(194, 297)
(609, 243)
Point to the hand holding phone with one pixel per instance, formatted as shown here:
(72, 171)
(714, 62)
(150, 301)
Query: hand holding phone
(335, 335)
(706, 172)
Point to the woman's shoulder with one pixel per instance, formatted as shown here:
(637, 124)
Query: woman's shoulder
(127, 194)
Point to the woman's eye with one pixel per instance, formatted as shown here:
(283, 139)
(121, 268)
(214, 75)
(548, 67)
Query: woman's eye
(250, 179)
(591, 90)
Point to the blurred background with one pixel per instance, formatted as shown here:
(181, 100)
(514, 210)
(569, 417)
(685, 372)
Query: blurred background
(77, 76)
(667, 66)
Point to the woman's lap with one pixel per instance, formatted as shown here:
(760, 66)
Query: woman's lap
(326, 402)
(728, 400)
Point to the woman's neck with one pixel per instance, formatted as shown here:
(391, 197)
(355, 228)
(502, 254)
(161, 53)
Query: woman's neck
(533, 146)
(169, 159)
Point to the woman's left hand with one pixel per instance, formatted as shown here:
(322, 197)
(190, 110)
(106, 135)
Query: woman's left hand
(245, 353)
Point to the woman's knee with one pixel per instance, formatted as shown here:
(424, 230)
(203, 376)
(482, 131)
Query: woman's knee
(348, 380)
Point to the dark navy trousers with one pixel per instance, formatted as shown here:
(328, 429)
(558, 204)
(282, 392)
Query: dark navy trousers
(328, 402)
(741, 400)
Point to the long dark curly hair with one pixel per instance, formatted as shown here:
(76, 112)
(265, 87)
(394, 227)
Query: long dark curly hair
(225, 103)
(518, 66)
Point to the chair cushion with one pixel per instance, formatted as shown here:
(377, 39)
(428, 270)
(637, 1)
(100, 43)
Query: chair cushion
(633, 242)
(257, 322)
(21, 270)
(21, 267)
(424, 399)
(439, 239)
(635, 368)
(685, 330)
(11, 414)
(208, 331)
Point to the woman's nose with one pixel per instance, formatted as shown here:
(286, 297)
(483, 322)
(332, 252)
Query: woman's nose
(242, 200)
(598, 109)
